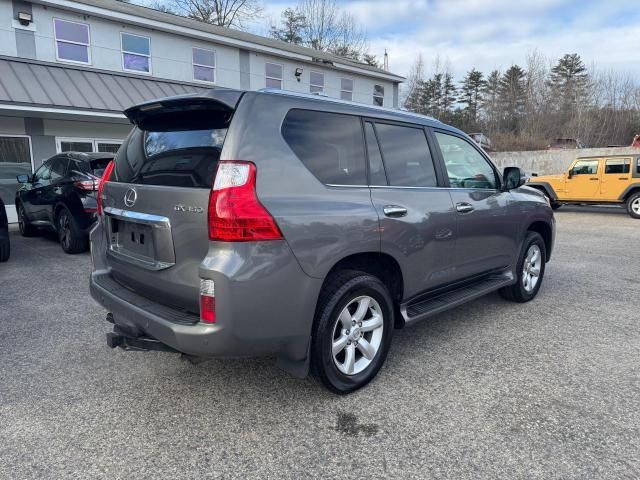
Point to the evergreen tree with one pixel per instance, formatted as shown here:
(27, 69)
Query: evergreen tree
(569, 81)
(292, 25)
(448, 95)
(512, 97)
(490, 105)
(471, 96)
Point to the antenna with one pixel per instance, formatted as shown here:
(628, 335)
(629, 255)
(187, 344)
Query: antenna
(385, 64)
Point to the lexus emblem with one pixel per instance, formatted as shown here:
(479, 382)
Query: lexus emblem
(130, 197)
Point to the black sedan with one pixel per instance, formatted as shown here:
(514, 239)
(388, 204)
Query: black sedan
(61, 196)
(4, 234)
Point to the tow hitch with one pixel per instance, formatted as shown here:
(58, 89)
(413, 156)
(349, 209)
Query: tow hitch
(120, 338)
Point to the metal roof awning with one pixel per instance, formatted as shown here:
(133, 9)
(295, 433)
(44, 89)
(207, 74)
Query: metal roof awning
(50, 88)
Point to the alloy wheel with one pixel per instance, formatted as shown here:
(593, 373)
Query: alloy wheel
(531, 268)
(64, 230)
(635, 206)
(357, 335)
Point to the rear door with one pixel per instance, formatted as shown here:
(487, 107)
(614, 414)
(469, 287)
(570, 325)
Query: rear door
(615, 178)
(156, 200)
(50, 193)
(32, 199)
(486, 241)
(417, 221)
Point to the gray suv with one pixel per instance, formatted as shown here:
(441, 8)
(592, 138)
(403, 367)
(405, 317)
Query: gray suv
(237, 223)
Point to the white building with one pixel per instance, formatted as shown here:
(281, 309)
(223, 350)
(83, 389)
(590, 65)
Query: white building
(69, 67)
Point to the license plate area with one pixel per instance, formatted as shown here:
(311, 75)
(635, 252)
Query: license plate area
(133, 238)
(142, 239)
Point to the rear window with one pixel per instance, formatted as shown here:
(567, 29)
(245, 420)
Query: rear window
(329, 144)
(179, 153)
(406, 154)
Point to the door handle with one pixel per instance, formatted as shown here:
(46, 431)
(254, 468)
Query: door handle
(464, 207)
(623, 178)
(594, 179)
(394, 211)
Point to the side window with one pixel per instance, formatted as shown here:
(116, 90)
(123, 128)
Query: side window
(585, 167)
(329, 144)
(43, 174)
(406, 155)
(376, 167)
(466, 167)
(617, 165)
(58, 168)
(638, 166)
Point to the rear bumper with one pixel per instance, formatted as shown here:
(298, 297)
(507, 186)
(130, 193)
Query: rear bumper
(260, 309)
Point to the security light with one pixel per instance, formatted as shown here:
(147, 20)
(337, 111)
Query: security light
(25, 18)
(298, 73)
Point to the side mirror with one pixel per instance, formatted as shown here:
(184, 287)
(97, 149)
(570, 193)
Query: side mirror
(570, 173)
(24, 178)
(513, 177)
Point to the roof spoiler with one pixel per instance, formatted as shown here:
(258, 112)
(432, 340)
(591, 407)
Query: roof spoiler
(222, 100)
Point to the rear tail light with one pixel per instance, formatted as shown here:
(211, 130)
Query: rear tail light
(105, 178)
(86, 185)
(235, 213)
(207, 301)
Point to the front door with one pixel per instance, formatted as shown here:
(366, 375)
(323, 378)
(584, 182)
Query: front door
(485, 241)
(417, 221)
(616, 177)
(583, 182)
(15, 159)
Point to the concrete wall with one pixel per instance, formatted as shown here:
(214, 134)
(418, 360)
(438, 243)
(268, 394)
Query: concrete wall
(548, 162)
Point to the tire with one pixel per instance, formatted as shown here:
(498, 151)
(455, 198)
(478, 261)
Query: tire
(532, 259)
(347, 291)
(72, 239)
(633, 205)
(5, 250)
(555, 205)
(26, 229)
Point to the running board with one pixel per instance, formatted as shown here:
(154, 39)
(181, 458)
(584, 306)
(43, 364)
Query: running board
(426, 307)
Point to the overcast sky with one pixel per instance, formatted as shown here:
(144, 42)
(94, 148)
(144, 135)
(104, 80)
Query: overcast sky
(492, 34)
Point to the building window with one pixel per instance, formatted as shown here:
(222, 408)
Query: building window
(273, 72)
(15, 152)
(204, 65)
(316, 82)
(378, 95)
(346, 89)
(72, 41)
(136, 53)
(87, 145)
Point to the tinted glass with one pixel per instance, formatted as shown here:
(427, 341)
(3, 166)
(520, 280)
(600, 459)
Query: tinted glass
(617, 166)
(466, 167)
(376, 168)
(108, 147)
(43, 174)
(204, 57)
(135, 44)
(174, 156)
(585, 167)
(407, 158)
(58, 168)
(72, 32)
(136, 62)
(73, 52)
(76, 147)
(15, 159)
(329, 144)
(638, 166)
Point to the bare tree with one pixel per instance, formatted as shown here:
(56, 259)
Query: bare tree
(322, 25)
(224, 13)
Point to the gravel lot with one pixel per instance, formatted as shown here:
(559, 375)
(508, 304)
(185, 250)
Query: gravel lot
(550, 389)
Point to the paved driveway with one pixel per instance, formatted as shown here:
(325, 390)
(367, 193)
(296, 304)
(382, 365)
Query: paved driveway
(550, 389)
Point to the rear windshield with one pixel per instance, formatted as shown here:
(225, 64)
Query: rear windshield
(177, 154)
